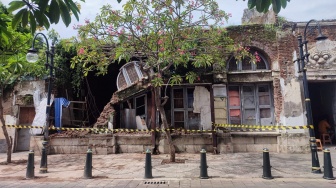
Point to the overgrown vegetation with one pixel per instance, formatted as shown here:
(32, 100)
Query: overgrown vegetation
(162, 35)
(13, 66)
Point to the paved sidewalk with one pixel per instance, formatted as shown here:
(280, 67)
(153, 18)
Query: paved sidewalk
(127, 170)
(194, 183)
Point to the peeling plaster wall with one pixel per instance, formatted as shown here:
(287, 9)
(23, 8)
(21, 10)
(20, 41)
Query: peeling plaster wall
(11, 106)
(28, 87)
(202, 106)
(292, 113)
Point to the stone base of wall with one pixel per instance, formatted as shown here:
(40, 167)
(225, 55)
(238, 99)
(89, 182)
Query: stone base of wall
(254, 141)
(132, 143)
(226, 143)
(100, 144)
(293, 143)
(193, 143)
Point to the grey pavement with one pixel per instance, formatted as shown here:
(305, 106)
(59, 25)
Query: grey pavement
(127, 170)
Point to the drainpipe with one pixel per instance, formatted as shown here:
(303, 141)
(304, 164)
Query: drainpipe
(214, 134)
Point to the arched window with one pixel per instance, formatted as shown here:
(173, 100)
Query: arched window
(129, 74)
(246, 64)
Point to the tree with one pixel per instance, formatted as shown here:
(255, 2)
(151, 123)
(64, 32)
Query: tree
(264, 5)
(167, 34)
(14, 67)
(42, 13)
(39, 13)
(4, 19)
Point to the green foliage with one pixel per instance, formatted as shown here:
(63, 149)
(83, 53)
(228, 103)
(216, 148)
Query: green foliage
(13, 64)
(67, 78)
(4, 20)
(191, 77)
(163, 34)
(157, 81)
(176, 79)
(42, 13)
(263, 5)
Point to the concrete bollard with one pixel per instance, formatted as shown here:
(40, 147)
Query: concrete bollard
(328, 168)
(88, 165)
(30, 174)
(148, 165)
(316, 169)
(204, 166)
(266, 165)
(44, 159)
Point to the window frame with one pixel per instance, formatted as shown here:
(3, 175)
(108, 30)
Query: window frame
(239, 65)
(185, 109)
(257, 108)
(135, 107)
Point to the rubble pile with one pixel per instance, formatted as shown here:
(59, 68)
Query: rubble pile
(71, 134)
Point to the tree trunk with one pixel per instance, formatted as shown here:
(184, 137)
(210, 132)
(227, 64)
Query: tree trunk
(4, 129)
(153, 123)
(165, 123)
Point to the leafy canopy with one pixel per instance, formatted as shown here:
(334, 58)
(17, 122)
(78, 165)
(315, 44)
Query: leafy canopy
(37, 14)
(42, 13)
(264, 5)
(162, 34)
(13, 64)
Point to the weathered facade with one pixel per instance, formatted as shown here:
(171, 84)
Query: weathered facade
(19, 109)
(269, 92)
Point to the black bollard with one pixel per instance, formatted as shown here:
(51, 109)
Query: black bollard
(315, 161)
(44, 162)
(328, 168)
(148, 165)
(88, 165)
(204, 166)
(266, 165)
(30, 165)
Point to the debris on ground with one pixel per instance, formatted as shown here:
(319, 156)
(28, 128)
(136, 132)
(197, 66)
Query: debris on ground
(167, 161)
(71, 134)
(20, 161)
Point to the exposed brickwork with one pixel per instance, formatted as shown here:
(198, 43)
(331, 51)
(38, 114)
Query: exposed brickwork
(328, 29)
(286, 47)
(257, 36)
(278, 99)
(105, 115)
(277, 45)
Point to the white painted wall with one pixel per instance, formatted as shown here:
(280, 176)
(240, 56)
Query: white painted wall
(293, 113)
(22, 88)
(202, 106)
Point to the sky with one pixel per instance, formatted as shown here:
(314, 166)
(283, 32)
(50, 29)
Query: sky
(296, 10)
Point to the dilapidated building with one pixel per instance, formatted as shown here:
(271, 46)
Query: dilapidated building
(211, 111)
(266, 93)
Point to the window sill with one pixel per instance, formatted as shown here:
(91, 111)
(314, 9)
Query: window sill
(249, 72)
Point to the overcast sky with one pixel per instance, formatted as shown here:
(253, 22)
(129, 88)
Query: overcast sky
(296, 10)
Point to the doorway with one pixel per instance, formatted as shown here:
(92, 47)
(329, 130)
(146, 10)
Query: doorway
(26, 117)
(323, 103)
